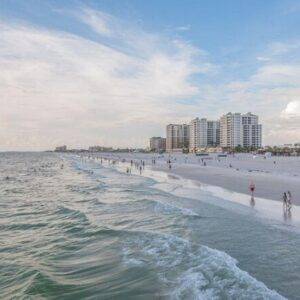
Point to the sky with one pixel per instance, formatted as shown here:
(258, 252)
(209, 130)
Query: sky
(114, 73)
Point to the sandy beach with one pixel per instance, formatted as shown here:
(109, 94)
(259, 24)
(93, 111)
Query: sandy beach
(271, 176)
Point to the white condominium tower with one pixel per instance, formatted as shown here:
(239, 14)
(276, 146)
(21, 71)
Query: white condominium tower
(240, 130)
(198, 134)
(252, 131)
(231, 133)
(204, 133)
(177, 137)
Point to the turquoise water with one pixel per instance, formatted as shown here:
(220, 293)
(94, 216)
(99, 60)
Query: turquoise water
(88, 231)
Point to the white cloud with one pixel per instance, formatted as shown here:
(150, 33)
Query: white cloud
(183, 28)
(277, 74)
(98, 21)
(57, 87)
(292, 109)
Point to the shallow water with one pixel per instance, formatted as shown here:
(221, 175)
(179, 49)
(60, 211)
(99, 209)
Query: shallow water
(91, 231)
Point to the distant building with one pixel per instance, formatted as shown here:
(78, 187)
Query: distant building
(61, 149)
(213, 133)
(100, 149)
(242, 130)
(231, 133)
(252, 131)
(178, 137)
(157, 144)
(204, 133)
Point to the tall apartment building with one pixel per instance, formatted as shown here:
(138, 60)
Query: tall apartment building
(157, 144)
(213, 133)
(252, 131)
(231, 133)
(204, 133)
(177, 137)
(240, 130)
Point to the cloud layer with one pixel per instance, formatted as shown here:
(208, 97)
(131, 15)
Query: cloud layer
(58, 87)
(120, 85)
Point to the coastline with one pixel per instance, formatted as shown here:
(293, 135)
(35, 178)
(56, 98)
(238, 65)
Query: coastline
(272, 177)
(179, 182)
(268, 186)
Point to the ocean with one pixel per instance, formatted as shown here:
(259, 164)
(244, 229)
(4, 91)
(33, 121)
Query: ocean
(71, 228)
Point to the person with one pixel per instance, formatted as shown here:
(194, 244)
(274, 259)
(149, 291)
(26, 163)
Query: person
(141, 170)
(252, 188)
(289, 200)
(284, 198)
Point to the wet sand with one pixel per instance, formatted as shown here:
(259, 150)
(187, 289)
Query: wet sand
(271, 176)
(268, 186)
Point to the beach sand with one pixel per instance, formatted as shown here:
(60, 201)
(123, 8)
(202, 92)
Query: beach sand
(233, 172)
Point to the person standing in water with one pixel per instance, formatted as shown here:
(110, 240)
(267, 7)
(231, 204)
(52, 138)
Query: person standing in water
(285, 202)
(289, 200)
(252, 189)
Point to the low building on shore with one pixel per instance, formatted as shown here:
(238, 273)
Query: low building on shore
(61, 148)
(100, 149)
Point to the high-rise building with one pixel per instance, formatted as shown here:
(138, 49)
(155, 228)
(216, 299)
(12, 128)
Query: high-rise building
(231, 132)
(204, 133)
(185, 136)
(252, 131)
(157, 144)
(213, 133)
(240, 130)
(177, 137)
(198, 134)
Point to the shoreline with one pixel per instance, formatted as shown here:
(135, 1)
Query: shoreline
(272, 177)
(182, 186)
(267, 186)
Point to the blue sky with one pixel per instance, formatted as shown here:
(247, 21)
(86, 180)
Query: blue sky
(115, 72)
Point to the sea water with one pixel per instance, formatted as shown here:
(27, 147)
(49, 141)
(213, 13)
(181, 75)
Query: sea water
(71, 228)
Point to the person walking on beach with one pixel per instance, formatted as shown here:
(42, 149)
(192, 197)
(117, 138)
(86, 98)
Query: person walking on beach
(141, 170)
(285, 202)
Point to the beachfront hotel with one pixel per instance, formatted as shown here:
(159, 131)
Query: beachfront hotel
(177, 137)
(204, 133)
(232, 130)
(238, 129)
